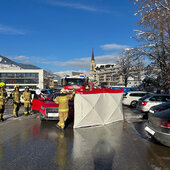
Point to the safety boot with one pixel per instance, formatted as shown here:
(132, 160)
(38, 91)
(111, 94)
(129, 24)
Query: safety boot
(1, 117)
(59, 127)
(14, 114)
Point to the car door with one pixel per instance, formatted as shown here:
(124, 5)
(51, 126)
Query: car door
(155, 100)
(133, 97)
(166, 99)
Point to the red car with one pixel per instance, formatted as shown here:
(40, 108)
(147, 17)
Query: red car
(49, 109)
(37, 102)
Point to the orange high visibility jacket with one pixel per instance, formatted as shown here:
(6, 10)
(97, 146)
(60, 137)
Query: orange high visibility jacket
(63, 102)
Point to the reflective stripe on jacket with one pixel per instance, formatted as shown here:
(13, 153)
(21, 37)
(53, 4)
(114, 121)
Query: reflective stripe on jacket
(63, 102)
(16, 96)
(3, 96)
(27, 97)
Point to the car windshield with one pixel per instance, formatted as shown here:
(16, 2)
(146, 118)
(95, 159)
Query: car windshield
(53, 96)
(72, 82)
(46, 91)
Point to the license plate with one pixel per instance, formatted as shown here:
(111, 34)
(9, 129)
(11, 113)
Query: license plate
(149, 130)
(53, 114)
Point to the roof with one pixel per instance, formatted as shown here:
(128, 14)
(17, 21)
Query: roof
(92, 58)
(138, 92)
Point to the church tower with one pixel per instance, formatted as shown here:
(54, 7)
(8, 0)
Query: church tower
(92, 65)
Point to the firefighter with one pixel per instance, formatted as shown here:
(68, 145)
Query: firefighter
(27, 101)
(3, 99)
(87, 88)
(63, 101)
(39, 95)
(16, 100)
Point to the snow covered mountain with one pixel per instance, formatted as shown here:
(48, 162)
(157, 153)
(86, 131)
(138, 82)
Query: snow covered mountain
(6, 63)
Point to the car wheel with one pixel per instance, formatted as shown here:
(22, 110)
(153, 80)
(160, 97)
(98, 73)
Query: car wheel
(41, 117)
(145, 115)
(133, 104)
(34, 111)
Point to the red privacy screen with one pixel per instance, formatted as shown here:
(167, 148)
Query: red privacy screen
(98, 91)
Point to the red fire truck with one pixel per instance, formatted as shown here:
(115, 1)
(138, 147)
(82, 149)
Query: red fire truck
(74, 81)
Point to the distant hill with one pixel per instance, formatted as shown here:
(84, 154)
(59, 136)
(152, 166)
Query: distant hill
(6, 63)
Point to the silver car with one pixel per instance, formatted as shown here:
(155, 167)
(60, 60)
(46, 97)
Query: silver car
(145, 103)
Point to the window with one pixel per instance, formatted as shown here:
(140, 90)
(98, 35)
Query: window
(138, 94)
(44, 91)
(76, 81)
(157, 98)
(167, 98)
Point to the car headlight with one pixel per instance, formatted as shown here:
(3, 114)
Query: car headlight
(151, 111)
(42, 108)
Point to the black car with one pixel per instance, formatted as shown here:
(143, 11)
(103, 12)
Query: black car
(158, 126)
(160, 107)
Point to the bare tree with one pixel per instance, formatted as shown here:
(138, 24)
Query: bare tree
(130, 66)
(154, 36)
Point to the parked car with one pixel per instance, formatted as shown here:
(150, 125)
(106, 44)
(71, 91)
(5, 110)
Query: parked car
(158, 126)
(38, 101)
(148, 101)
(46, 92)
(49, 109)
(160, 107)
(9, 92)
(131, 98)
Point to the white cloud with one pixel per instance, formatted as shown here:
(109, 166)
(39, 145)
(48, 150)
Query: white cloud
(21, 58)
(9, 30)
(76, 6)
(28, 62)
(109, 47)
(84, 62)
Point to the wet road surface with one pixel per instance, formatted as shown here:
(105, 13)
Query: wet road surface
(28, 143)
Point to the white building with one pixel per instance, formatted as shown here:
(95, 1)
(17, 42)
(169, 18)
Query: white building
(133, 81)
(108, 74)
(34, 78)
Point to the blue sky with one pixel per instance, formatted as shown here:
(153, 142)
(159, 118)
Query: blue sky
(59, 34)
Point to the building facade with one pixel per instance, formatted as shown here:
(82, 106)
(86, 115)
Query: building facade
(111, 75)
(24, 77)
(107, 75)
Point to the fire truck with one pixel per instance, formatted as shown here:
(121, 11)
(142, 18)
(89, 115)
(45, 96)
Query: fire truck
(75, 80)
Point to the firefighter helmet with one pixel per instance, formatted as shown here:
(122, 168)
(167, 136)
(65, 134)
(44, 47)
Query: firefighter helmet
(16, 86)
(2, 84)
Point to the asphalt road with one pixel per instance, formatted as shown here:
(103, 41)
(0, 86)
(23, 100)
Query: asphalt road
(28, 143)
